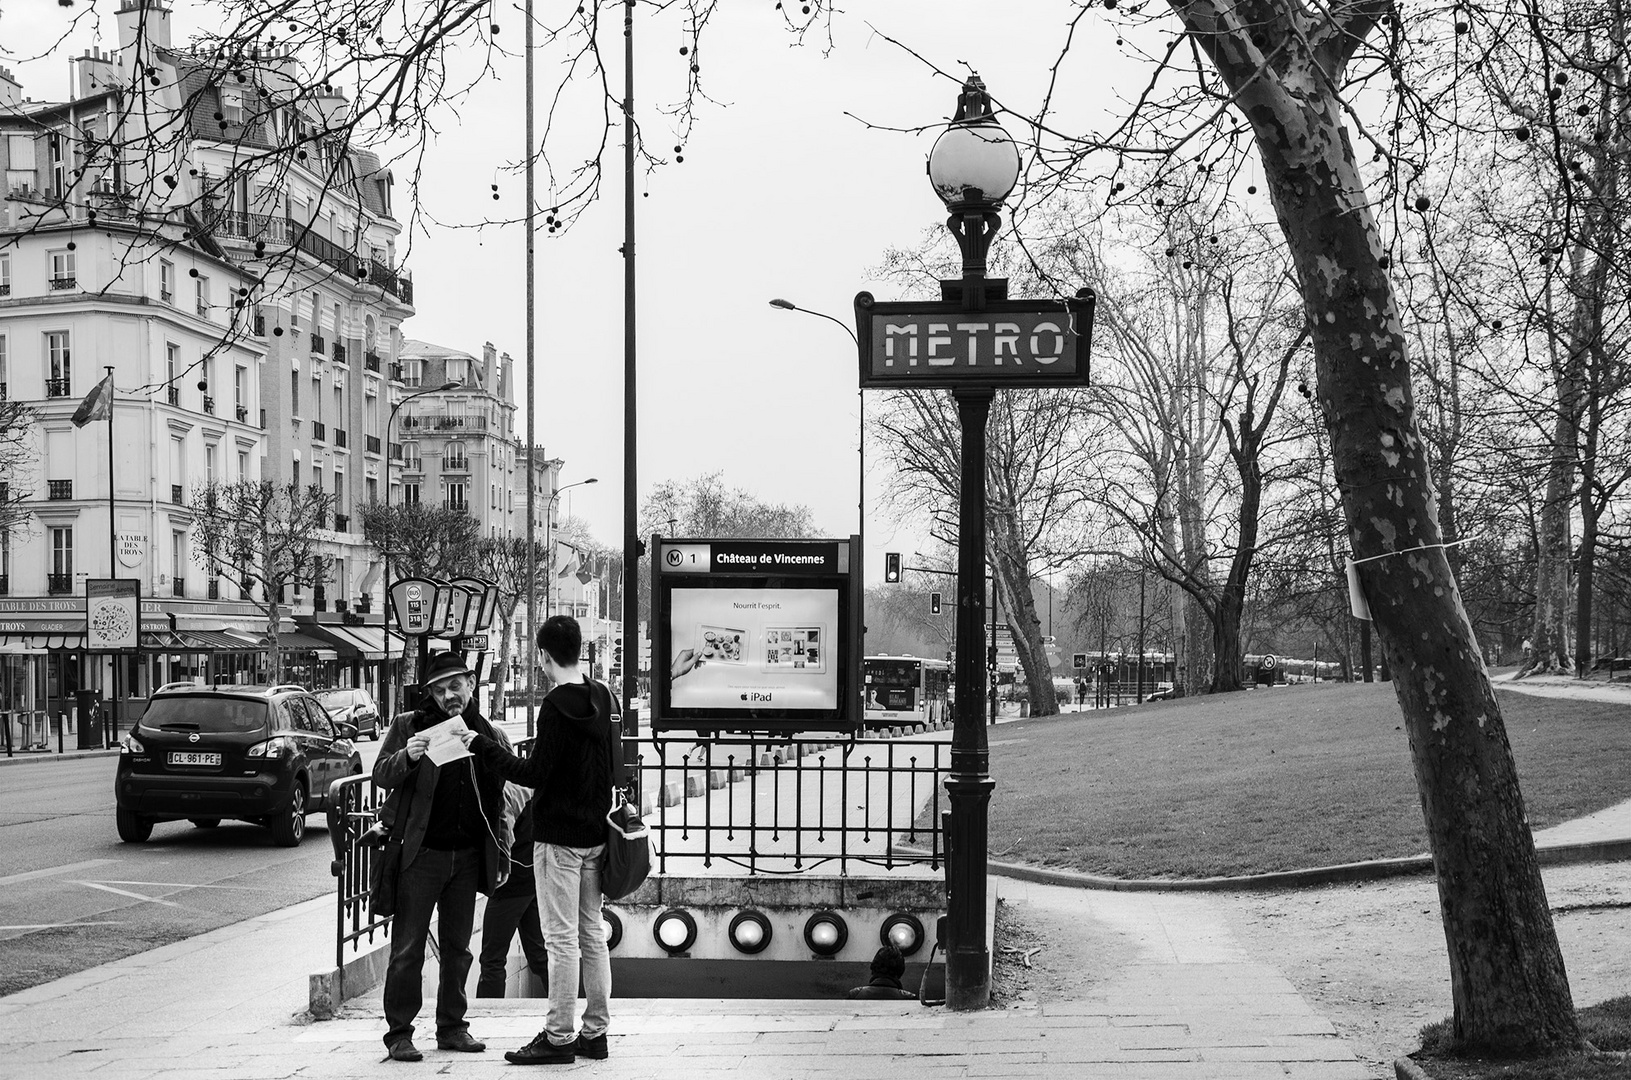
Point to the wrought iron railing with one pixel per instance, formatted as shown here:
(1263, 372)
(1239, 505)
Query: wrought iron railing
(319, 431)
(175, 494)
(370, 443)
(59, 584)
(340, 437)
(178, 586)
(771, 806)
(339, 352)
(317, 343)
(59, 489)
(172, 394)
(209, 404)
(370, 360)
(59, 283)
(56, 388)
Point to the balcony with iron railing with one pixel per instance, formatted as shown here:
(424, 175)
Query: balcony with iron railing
(209, 405)
(340, 437)
(59, 489)
(365, 604)
(56, 388)
(5, 584)
(5, 290)
(456, 464)
(370, 360)
(319, 431)
(396, 451)
(166, 296)
(212, 591)
(176, 494)
(258, 230)
(319, 599)
(413, 464)
(178, 587)
(59, 584)
(60, 283)
(458, 506)
(317, 344)
(444, 422)
(339, 352)
(242, 414)
(370, 443)
(260, 326)
(172, 394)
(342, 522)
(203, 307)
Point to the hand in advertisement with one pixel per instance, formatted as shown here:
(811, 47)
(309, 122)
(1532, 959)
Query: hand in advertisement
(683, 663)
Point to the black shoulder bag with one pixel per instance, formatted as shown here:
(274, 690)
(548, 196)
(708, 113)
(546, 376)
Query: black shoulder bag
(386, 838)
(627, 862)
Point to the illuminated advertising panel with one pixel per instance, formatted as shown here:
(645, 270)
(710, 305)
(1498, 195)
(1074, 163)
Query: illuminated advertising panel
(755, 635)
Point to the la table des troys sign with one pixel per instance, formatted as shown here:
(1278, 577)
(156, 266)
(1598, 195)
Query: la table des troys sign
(1008, 343)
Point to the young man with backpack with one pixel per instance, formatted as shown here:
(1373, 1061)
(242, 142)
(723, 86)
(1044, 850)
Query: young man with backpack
(570, 770)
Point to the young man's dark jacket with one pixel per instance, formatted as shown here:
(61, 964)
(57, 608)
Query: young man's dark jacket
(570, 769)
(416, 784)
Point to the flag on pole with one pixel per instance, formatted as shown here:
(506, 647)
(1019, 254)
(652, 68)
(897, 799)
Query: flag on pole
(98, 404)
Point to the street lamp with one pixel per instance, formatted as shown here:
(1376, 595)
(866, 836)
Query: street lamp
(860, 442)
(385, 673)
(973, 166)
(549, 547)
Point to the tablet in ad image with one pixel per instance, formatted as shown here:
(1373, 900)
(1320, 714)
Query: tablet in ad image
(796, 649)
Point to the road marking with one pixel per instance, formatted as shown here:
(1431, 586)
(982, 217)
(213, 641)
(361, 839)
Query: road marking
(57, 925)
(127, 892)
(68, 868)
(184, 885)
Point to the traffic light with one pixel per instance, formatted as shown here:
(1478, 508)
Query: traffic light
(617, 651)
(991, 657)
(934, 603)
(891, 567)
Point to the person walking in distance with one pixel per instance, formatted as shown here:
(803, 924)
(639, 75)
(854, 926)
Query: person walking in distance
(571, 771)
(513, 907)
(449, 819)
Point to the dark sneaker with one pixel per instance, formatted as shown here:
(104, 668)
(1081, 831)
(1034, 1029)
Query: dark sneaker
(460, 1040)
(592, 1048)
(540, 1051)
(405, 1051)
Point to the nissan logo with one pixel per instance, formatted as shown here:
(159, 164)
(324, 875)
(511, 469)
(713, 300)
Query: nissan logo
(193, 737)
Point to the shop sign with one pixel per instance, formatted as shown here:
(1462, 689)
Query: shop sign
(411, 603)
(132, 548)
(1008, 343)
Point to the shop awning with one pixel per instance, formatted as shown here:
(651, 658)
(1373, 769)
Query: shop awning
(43, 642)
(354, 640)
(163, 641)
(214, 641)
(293, 641)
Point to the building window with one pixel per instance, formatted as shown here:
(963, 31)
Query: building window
(240, 392)
(62, 269)
(62, 559)
(371, 489)
(243, 465)
(5, 275)
(5, 368)
(410, 493)
(410, 456)
(232, 105)
(167, 281)
(178, 563)
(294, 392)
(454, 457)
(455, 497)
(412, 372)
(458, 370)
(201, 289)
(209, 463)
(59, 379)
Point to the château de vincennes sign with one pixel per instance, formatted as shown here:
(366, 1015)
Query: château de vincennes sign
(1007, 343)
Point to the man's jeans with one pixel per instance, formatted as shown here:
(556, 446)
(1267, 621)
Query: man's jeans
(513, 907)
(444, 880)
(569, 908)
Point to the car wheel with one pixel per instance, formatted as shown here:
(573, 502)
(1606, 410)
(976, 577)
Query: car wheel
(289, 827)
(133, 828)
(205, 822)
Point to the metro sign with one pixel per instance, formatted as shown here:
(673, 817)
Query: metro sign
(1008, 343)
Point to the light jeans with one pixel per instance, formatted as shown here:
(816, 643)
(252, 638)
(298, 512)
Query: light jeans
(569, 908)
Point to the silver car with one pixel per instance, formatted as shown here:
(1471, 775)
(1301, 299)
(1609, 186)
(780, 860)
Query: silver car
(352, 706)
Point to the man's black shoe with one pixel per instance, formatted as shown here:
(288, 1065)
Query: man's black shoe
(461, 1040)
(592, 1048)
(540, 1051)
(405, 1051)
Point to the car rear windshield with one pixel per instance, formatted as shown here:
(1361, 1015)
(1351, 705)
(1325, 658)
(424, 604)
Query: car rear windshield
(335, 698)
(205, 714)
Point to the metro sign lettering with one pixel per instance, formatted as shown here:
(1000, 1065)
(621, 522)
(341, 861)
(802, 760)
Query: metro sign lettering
(1011, 343)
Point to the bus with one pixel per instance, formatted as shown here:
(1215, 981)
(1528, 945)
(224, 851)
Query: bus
(905, 690)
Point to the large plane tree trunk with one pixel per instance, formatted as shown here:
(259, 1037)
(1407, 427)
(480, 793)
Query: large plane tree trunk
(1284, 63)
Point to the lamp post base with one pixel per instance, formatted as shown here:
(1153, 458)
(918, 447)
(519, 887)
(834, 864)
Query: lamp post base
(968, 953)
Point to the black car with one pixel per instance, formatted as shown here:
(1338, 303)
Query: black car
(252, 753)
(350, 705)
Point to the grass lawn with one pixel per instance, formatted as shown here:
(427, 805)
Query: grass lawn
(1607, 1026)
(1275, 779)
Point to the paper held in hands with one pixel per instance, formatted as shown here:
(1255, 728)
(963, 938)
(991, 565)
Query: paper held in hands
(445, 742)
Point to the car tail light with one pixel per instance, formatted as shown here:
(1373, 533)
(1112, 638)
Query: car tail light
(129, 744)
(282, 746)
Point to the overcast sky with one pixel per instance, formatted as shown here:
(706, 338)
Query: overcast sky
(783, 192)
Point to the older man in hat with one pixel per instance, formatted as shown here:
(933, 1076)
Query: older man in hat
(454, 843)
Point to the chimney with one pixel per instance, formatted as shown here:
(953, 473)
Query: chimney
(11, 91)
(93, 73)
(489, 362)
(149, 19)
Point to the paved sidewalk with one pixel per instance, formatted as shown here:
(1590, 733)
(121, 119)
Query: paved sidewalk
(1178, 997)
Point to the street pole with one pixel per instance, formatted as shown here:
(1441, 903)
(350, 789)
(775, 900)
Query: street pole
(1141, 570)
(631, 505)
(113, 572)
(992, 665)
(532, 381)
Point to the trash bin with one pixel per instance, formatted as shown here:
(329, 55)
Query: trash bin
(89, 719)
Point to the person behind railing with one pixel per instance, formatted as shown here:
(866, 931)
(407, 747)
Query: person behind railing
(449, 819)
(513, 907)
(888, 967)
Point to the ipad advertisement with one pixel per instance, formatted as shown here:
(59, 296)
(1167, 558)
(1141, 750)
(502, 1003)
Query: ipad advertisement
(753, 649)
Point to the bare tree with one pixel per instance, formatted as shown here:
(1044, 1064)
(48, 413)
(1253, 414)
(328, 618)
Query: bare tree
(438, 542)
(17, 454)
(269, 539)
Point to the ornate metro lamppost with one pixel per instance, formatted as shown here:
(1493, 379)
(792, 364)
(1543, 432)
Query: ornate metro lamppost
(972, 167)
